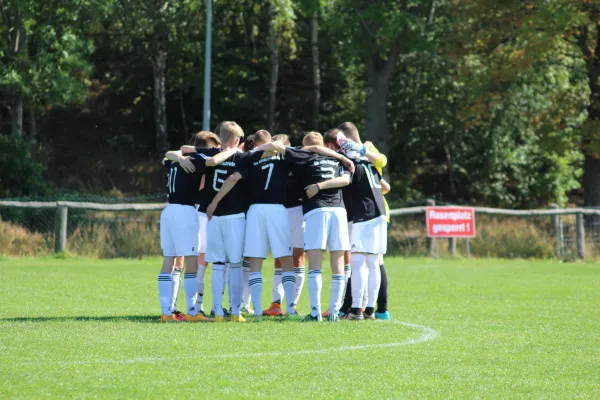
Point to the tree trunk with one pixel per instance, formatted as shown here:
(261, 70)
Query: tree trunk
(17, 113)
(159, 63)
(32, 122)
(316, 71)
(274, 73)
(378, 130)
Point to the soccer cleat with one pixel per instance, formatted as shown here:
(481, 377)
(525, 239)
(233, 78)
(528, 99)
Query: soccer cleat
(354, 317)
(247, 310)
(219, 318)
(311, 318)
(333, 318)
(236, 318)
(369, 316)
(274, 310)
(169, 318)
(325, 314)
(226, 313)
(200, 317)
(179, 316)
(293, 317)
(384, 316)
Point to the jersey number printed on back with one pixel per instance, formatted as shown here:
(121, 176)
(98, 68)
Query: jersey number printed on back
(270, 168)
(171, 181)
(218, 182)
(327, 172)
(372, 176)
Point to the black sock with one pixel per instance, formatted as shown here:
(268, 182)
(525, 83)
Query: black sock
(347, 298)
(355, 311)
(382, 296)
(369, 310)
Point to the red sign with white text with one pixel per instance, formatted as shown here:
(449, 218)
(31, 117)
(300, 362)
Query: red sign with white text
(450, 222)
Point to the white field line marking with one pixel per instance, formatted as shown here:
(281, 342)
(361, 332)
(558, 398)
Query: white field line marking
(427, 335)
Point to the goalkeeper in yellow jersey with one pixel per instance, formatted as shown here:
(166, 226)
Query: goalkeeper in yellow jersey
(379, 161)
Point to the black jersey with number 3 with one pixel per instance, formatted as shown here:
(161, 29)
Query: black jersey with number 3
(310, 168)
(234, 202)
(266, 178)
(365, 190)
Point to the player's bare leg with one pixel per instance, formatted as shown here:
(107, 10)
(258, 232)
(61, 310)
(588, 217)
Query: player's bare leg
(315, 283)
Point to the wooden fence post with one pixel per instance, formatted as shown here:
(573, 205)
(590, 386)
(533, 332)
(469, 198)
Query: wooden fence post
(452, 246)
(431, 242)
(580, 236)
(557, 222)
(60, 229)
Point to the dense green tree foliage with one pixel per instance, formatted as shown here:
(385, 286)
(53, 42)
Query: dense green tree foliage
(475, 101)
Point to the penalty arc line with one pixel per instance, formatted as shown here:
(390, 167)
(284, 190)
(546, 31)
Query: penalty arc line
(427, 335)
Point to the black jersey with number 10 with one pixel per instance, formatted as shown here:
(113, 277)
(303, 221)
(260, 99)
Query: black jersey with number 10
(365, 190)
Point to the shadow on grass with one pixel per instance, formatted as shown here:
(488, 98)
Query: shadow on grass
(152, 319)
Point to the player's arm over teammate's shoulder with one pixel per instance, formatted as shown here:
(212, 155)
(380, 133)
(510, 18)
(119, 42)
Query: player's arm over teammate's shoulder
(385, 186)
(185, 162)
(334, 183)
(221, 157)
(297, 154)
(229, 183)
(324, 151)
(378, 160)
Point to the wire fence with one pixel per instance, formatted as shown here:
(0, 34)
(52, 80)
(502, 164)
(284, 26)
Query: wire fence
(124, 232)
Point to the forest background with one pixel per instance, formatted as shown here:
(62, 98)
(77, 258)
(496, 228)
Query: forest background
(474, 101)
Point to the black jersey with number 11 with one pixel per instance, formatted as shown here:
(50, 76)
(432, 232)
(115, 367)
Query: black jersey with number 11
(182, 187)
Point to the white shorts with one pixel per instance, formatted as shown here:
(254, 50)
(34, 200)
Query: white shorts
(203, 221)
(267, 228)
(370, 236)
(225, 238)
(179, 231)
(296, 219)
(326, 228)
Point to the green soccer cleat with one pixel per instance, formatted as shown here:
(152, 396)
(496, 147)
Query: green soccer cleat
(310, 318)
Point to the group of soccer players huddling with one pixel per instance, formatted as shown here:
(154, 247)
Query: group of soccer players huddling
(233, 200)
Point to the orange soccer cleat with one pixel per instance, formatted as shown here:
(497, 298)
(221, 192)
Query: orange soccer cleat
(274, 310)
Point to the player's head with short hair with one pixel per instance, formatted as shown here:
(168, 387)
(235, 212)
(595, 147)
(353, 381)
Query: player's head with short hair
(205, 139)
(230, 133)
(283, 138)
(262, 137)
(350, 131)
(330, 139)
(249, 143)
(312, 139)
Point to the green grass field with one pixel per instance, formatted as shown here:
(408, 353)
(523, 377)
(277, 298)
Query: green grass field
(461, 329)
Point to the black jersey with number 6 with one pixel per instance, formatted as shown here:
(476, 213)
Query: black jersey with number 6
(365, 190)
(266, 178)
(182, 188)
(310, 168)
(234, 202)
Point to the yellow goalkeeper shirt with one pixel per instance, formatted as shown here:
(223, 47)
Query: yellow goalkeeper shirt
(379, 165)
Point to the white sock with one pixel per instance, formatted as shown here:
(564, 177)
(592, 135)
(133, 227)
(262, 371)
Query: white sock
(200, 300)
(337, 293)
(164, 292)
(246, 275)
(255, 282)
(277, 295)
(315, 285)
(374, 279)
(227, 278)
(190, 287)
(236, 287)
(359, 279)
(288, 280)
(300, 272)
(175, 282)
(216, 284)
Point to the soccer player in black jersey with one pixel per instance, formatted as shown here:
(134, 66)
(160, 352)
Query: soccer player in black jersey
(369, 231)
(267, 225)
(324, 215)
(179, 230)
(293, 206)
